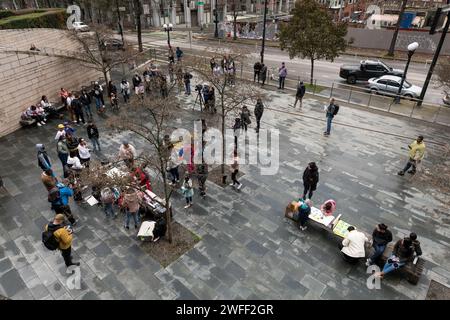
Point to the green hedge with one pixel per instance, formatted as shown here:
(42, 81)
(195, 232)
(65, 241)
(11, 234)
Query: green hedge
(5, 14)
(48, 19)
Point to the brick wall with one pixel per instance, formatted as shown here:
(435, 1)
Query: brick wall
(25, 78)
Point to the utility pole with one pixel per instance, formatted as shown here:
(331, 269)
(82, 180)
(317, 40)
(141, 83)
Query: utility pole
(234, 20)
(397, 28)
(120, 22)
(264, 32)
(137, 13)
(437, 52)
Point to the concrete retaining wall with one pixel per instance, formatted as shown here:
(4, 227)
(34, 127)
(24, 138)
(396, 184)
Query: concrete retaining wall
(381, 39)
(25, 78)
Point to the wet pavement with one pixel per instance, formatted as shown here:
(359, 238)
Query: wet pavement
(248, 249)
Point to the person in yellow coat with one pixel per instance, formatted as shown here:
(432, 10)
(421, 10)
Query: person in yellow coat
(416, 154)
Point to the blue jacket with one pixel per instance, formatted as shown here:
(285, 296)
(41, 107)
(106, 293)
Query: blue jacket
(65, 192)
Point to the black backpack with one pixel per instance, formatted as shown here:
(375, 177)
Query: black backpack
(54, 195)
(336, 110)
(49, 239)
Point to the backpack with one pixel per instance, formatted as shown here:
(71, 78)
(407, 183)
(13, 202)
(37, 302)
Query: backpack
(48, 238)
(336, 110)
(54, 195)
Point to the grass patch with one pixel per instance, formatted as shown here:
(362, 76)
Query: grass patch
(314, 88)
(36, 19)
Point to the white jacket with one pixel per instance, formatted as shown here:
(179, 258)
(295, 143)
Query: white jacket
(84, 152)
(354, 244)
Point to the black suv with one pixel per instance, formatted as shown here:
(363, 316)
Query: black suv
(367, 69)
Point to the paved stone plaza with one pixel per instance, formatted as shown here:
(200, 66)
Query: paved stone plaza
(248, 249)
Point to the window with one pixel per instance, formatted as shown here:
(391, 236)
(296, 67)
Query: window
(393, 83)
(371, 67)
(382, 81)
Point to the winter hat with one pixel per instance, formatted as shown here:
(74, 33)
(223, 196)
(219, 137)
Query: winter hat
(40, 147)
(60, 126)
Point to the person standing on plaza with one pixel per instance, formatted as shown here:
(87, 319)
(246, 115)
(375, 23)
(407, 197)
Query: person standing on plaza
(60, 234)
(202, 176)
(63, 94)
(107, 199)
(187, 82)
(188, 191)
(92, 132)
(416, 155)
(60, 132)
(84, 152)
(259, 110)
(282, 73)
(381, 236)
(173, 164)
(48, 179)
(125, 90)
(77, 107)
(86, 101)
(63, 153)
(212, 64)
(236, 131)
(131, 203)
(43, 159)
(263, 74)
(69, 100)
(179, 54)
(330, 111)
(234, 168)
(310, 179)
(127, 153)
(137, 81)
(301, 89)
(256, 70)
(245, 118)
(97, 93)
(171, 55)
(59, 201)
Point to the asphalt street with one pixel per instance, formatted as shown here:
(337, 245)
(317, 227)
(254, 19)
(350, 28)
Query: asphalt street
(325, 72)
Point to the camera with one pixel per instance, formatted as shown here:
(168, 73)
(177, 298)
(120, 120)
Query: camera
(198, 87)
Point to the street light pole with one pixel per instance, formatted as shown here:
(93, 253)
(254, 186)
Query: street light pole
(264, 32)
(435, 59)
(168, 28)
(411, 49)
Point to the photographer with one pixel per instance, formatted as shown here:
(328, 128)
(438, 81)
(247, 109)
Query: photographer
(206, 97)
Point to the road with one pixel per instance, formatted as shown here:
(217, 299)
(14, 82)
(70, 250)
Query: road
(325, 72)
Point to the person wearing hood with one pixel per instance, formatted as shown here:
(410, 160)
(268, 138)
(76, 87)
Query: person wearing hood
(125, 90)
(179, 53)
(245, 118)
(310, 179)
(43, 159)
(301, 89)
(137, 80)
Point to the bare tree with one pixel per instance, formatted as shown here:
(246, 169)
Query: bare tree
(231, 91)
(95, 51)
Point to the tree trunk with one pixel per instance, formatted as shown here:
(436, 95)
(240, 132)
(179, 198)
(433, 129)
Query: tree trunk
(397, 27)
(312, 72)
(137, 11)
(234, 24)
(223, 141)
(168, 209)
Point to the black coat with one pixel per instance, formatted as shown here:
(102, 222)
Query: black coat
(263, 73)
(92, 132)
(310, 178)
(259, 110)
(301, 91)
(381, 238)
(85, 99)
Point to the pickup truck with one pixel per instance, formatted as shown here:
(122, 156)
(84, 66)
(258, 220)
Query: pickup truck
(367, 69)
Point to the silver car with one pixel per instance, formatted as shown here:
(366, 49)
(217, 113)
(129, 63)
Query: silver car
(389, 85)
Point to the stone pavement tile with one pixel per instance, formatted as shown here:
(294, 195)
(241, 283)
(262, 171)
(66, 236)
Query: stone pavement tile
(114, 284)
(89, 296)
(102, 250)
(198, 257)
(98, 267)
(132, 283)
(27, 273)
(294, 285)
(223, 276)
(38, 290)
(148, 294)
(181, 291)
(57, 290)
(24, 294)
(333, 294)
(114, 263)
(235, 270)
(5, 266)
(12, 283)
(257, 248)
(315, 286)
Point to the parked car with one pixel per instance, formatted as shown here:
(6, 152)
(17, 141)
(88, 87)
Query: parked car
(80, 26)
(366, 70)
(389, 85)
(113, 44)
(446, 98)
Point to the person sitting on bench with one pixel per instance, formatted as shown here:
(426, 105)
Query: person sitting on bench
(381, 236)
(402, 254)
(352, 247)
(304, 210)
(328, 207)
(33, 113)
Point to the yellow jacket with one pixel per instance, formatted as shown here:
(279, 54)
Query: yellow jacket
(417, 151)
(63, 237)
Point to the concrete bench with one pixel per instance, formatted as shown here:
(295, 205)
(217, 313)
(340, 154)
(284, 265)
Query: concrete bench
(29, 122)
(411, 271)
